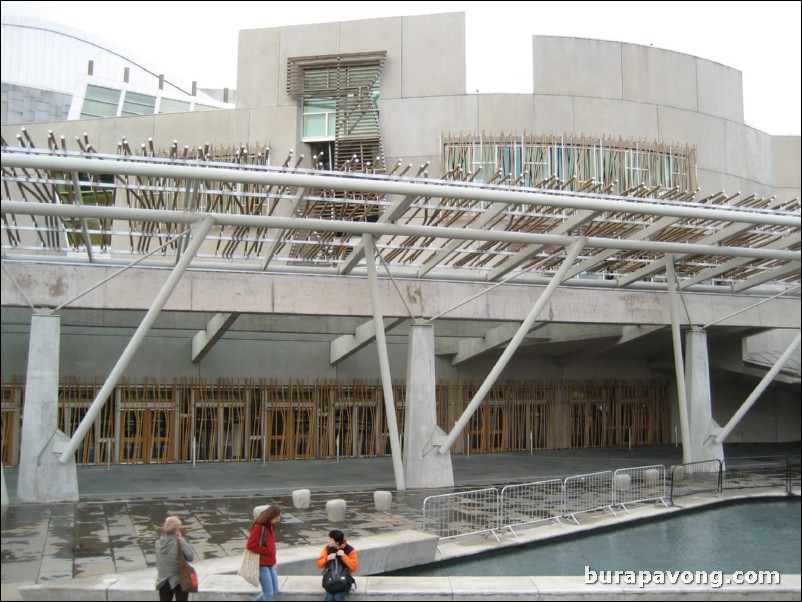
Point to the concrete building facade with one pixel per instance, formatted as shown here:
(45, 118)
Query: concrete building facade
(607, 118)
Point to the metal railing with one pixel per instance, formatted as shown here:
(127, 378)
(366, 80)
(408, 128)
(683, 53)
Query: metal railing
(488, 511)
(742, 473)
(694, 478)
(588, 492)
(639, 484)
(531, 503)
(794, 474)
(466, 513)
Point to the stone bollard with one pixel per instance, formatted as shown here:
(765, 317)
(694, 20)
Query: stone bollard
(622, 482)
(301, 498)
(677, 472)
(382, 500)
(651, 477)
(336, 511)
(257, 510)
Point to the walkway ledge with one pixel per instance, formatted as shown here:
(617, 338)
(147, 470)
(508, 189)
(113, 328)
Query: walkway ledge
(297, 587)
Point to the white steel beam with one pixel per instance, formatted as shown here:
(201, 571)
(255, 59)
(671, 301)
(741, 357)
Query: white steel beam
(385, 185)
(200, 232)
(506, 356)
(679, 369)
(377, 229)
(755, 395)
(384, 366)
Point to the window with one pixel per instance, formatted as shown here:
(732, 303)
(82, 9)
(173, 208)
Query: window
(138, 104)
(319, 118)
(100, 102)
(575, 162)
(168, 105)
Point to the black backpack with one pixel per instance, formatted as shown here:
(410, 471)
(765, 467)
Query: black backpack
(337, 577)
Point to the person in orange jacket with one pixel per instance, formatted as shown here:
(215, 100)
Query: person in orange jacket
(338, 550)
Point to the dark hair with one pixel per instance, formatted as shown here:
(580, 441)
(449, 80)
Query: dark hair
(267, 515)
(337, 536)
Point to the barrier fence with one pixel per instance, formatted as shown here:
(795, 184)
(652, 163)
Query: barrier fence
(531, 503)
(458, 514)
(639, 484)
(794, 473)
(768, 471)
(695, 478)
(588, 492)
(490, 511)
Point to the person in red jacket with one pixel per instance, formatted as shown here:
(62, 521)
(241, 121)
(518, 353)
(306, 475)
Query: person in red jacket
(338, 550)
(262, 541)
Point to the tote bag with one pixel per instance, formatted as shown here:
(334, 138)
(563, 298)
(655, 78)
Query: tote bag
(187, 576)
(249, 567)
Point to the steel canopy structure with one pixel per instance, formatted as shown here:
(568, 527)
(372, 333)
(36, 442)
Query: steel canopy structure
(115, 209)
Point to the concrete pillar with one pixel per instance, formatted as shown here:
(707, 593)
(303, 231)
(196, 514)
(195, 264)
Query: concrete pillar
(423, 466)
(42, 478)
(700, 412)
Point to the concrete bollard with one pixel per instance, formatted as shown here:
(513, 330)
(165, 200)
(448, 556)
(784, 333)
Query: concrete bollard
(651, 476)
(382, 500)
(257, 510)
(677, 472)
(622, 482)
(301, 498)
(336, 510)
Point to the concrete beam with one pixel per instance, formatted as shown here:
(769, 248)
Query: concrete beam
(348, 344)
(265, 294)
(471, 348)
(203, 342)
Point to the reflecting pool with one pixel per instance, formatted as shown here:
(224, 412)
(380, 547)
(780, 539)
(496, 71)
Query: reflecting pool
(736, 536)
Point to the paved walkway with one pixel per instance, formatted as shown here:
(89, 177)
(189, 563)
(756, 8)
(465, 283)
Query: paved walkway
(113, 527)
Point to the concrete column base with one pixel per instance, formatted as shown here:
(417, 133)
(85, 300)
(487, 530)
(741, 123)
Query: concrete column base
(424, 466)
(702, 446)
(42, 478)
(54, 481)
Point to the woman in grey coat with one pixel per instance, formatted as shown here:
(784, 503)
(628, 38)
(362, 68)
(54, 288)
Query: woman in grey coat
(167, 561)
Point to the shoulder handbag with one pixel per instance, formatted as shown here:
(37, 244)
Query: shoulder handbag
(187, 576)
(249, 567)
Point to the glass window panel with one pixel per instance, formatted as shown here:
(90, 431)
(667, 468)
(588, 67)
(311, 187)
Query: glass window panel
(319, 105)
(138, 104)
(94, 108)
(315, 125)
(168, 105)
(103, 94)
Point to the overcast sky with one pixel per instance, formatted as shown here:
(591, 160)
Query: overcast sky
(198, 41)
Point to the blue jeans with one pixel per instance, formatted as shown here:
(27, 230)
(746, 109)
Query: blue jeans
(336, 597)
(268, 579)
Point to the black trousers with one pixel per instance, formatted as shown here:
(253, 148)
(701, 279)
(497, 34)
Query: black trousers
(166, 593)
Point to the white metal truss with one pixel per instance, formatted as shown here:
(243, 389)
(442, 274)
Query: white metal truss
(275, 219)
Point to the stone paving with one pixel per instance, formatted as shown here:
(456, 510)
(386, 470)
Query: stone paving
(114, 526)
(95, 538)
